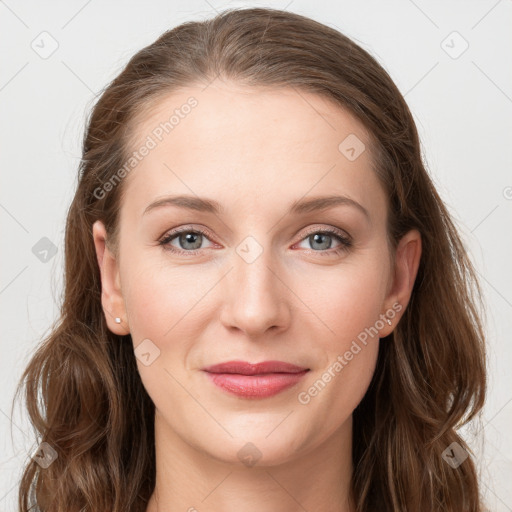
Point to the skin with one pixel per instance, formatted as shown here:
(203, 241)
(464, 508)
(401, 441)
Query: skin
(255, 151)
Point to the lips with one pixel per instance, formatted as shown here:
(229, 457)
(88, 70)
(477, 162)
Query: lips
(243, 368)
(260, 380)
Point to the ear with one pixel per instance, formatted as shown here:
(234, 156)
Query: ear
(406, 264)
(111, 298)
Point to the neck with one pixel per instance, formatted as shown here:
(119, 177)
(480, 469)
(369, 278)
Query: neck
(193, 481)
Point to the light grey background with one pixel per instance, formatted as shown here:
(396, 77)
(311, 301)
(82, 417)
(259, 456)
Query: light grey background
(462, 103)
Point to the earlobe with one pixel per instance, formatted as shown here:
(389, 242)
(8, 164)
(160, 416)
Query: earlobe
(111, 297)
(406, 264)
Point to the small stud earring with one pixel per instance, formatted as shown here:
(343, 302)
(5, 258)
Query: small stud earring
(388, 321)
(118, 320)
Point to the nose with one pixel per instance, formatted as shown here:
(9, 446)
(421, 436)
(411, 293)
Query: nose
(255, 296)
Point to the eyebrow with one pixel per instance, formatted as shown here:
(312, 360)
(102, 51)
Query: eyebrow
(300, 206)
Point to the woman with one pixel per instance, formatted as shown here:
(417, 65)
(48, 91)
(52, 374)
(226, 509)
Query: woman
(318, 344)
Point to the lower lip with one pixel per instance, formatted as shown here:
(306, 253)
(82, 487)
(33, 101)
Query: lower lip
(255, 386)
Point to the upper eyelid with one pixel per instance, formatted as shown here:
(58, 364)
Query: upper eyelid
(330, 230)
(185, 229)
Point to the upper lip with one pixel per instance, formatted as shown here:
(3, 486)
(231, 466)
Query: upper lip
(245, 368)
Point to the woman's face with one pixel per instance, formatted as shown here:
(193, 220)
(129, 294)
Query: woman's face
(272, 278)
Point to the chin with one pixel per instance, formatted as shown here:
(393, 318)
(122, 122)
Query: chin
(254, 450)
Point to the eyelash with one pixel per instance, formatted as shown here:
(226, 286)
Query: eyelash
(345, 242)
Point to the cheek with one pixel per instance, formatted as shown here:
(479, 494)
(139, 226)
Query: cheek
(163, 306)
(348, 356)
(346, 299)
(158, 298)
(333, 393)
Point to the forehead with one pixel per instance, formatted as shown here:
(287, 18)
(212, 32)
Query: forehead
(244, 144)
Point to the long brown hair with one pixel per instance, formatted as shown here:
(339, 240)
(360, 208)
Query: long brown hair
(83, 392)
